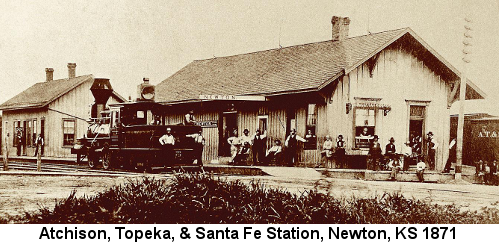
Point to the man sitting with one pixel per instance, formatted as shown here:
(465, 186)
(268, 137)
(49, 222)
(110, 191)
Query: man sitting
(420, 167)
(274, 154)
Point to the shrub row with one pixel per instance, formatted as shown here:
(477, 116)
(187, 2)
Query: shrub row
(201, 198)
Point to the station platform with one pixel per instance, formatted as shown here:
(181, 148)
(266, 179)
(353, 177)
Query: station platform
(296, 172)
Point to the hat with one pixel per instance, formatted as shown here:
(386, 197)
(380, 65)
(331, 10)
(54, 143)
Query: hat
(375, 137)
(408, 143)
(168, 129)
(340, 136)
(246, 131)
(430, 133)
(392, 139)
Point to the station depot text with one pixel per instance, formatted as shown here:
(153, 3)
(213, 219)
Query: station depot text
(120, 233)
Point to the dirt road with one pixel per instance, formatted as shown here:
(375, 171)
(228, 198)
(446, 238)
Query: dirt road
(20, 193)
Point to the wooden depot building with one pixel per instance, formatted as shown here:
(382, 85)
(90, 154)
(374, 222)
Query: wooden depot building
(57, 110)
(392, 83)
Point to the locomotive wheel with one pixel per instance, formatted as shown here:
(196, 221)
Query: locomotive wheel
(92, 160)
(106, 157)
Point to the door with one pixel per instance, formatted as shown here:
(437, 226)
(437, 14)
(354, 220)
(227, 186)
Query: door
(226, 129)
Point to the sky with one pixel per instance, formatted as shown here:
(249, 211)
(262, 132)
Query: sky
(126, 40)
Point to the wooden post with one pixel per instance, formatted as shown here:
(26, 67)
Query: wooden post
(462, 91)
(6, 155)
(39, 162)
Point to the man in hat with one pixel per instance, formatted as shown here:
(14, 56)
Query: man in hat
(291, 144)
(189, 118)
(374, 154)
(198, 146)
(39, 144)
(407, 151)
(259, 144)
(390, 149)
(168, 141)
(340, 152)
(432, 146)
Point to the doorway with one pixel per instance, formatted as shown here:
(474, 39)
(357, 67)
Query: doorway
(226, 129)
(417, 125)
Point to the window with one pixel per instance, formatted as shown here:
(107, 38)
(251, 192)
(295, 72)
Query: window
(364, 127)
(34, 132)
(29, 130)
(310, 134)
(17, 131)
(69, 130)
(262, 123)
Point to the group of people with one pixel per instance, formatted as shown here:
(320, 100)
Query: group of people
(332, 150)
(412, 153)
(167, 141)
(487, 172)
(21, 144)
(241, 146)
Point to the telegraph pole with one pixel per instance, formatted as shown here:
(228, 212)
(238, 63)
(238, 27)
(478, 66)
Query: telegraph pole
(462, 90)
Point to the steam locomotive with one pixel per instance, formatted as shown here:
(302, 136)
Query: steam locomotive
(126, 135)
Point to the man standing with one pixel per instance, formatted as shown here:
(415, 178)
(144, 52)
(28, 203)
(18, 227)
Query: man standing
(291, 144)
(432, 146)
(168, 141)
(374, 154)
(407, 155)
(19, 141)
(452, 156)
(198, 146)
(259, 145)
(39, 144)
(340, 152)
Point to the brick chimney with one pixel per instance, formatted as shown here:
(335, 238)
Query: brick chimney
(340, 27)
(71, 70)
(49, 72)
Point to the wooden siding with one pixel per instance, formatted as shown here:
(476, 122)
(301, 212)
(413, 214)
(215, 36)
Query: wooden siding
(397, 79)
(76, 102)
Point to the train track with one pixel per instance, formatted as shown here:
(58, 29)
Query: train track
(63, 168)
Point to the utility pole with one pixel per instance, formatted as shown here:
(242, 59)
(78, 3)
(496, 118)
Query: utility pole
(462, 90)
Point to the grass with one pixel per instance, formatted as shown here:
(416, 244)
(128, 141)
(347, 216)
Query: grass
(202, 198)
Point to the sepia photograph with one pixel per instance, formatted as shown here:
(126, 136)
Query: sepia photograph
(249, 112)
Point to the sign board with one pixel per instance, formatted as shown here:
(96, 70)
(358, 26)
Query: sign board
(232, 97)
(207, 124)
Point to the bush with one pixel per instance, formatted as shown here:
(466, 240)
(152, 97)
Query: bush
(200, 198)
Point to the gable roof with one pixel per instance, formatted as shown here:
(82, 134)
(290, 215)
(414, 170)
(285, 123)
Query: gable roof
(301, 68)
(43, 93)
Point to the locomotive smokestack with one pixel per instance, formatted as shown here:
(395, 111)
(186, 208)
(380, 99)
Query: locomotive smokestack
(101, 90)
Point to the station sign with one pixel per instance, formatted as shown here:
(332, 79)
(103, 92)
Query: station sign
(232, 97)
(207, 124)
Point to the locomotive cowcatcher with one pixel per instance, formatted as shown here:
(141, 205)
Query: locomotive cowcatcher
(126, 135)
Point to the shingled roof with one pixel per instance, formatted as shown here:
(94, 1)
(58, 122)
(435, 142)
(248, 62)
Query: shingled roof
(301, 68)
(43, 93)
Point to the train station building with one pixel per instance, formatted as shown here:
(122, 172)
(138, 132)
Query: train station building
(57, 110)
(392, 83)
